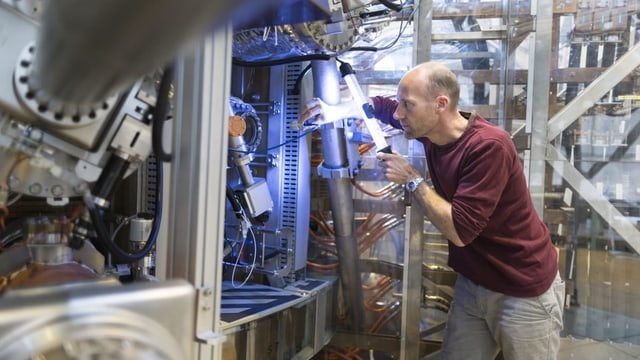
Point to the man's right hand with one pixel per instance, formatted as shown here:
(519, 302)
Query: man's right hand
(316, 112)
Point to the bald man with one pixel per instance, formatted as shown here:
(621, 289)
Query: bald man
(508, 294)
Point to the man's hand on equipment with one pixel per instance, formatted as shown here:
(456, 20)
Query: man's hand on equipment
(396, 168)
(316, 112)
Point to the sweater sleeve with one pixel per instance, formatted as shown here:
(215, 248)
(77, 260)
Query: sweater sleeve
(383, 109)
(484, 176)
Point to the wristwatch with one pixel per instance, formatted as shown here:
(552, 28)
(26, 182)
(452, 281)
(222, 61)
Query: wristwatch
(412, 185)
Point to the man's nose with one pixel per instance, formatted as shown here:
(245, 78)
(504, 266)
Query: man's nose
(397, 114)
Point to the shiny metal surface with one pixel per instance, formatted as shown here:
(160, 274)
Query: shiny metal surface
(30, 8)
(291, 323)
(600, 204)
(412, 280)
(98, 320)
(326, 87)
(538, 106)
(84, 67)
(291, 41)
(17, 31)
(290, 176)
(626, 64)
(53, 162)
(190, 246)
(139, 229)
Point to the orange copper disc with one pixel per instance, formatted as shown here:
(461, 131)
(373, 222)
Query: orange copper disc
(237, 126)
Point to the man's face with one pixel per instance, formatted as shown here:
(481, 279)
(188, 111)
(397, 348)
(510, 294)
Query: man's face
(416, 112)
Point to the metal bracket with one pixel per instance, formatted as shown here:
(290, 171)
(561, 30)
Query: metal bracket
(204, 314)
(210, 338)
(339, 173)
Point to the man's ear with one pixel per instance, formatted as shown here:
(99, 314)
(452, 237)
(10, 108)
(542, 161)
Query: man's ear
(442, 102)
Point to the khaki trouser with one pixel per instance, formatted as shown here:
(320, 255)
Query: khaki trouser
(483, 322)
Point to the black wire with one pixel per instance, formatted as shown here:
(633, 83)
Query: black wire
(290, 60)
(403, 28)
(120, 255)
(391, 5)
(291, 140)
(276, 146)
(298, 83)
(160, 114)
(363, 48)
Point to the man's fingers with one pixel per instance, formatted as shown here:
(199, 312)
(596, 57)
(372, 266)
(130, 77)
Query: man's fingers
(311, 113)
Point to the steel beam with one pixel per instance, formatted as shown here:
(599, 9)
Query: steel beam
(594, 198)
(592, 94)
(191, 246)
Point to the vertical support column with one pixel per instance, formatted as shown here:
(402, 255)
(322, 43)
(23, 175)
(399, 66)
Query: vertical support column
(422, 31)
(538, 101)
(412, 283)
(414, 217)
(326, 85)
(193, 237)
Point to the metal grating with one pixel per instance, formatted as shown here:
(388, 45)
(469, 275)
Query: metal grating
(291, 171)
(290, 155)
(150, 200)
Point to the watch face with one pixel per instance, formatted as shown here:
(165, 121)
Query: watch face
(412, 185)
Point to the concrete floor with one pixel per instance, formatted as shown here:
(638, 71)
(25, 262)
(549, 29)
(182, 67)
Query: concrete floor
(587, 349)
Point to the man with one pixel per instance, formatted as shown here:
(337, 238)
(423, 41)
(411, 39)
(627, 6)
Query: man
(508, 294)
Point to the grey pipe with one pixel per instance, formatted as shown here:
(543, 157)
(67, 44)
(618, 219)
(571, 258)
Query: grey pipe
(326, 85)
(87, 51)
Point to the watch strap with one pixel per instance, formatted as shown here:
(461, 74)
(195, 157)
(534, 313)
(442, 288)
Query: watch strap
(413, 184)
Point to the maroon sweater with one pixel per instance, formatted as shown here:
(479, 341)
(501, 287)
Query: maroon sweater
(507, 247)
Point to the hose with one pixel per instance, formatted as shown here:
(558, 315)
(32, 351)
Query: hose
(290, 60)
(160, 112)
(105, 238)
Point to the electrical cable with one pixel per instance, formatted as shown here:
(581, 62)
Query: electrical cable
(275, 146)
(160, 112)
(255, 257)
(235, 203)
(12, 200)
(106, 238)
(403, 28)
(363, 48)
(11, 234)
(290, 60)
(391, 5)
(126, 221)
(298, 82)
(5, 187)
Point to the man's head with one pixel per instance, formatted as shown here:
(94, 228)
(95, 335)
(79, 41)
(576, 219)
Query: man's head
(428, 103)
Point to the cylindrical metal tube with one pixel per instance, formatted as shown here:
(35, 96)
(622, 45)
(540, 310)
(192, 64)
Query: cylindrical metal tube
(110, 179)
(87, 51)
(47, 239)
(326, 80)
(140, 228)
(241, 159)
(43, 230)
